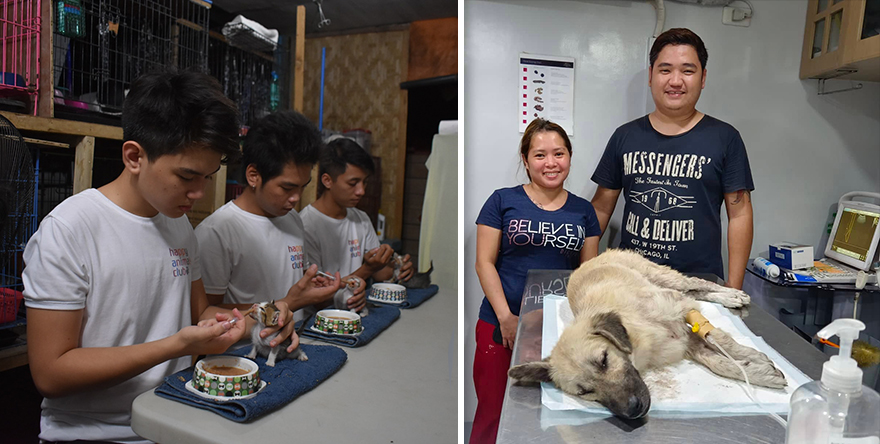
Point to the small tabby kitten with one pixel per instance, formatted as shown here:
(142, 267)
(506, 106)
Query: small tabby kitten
(419, 280)
(397, 262)
(353, 283)
(266, 314)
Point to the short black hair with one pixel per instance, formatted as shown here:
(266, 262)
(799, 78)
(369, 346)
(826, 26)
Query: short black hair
(168, 111)
(337, 155)
(679, 36)
(277, 140)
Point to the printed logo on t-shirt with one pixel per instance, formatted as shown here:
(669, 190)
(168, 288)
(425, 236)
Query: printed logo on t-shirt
(567, 237)
(296, 256)
(179, 261)
(660, 183)
(688, 166)
(354, 246)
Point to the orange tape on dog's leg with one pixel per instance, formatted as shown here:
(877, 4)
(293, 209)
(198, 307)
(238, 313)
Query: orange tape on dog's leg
(702, 325)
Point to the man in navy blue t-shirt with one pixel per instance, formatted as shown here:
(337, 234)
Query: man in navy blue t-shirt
(675, 166)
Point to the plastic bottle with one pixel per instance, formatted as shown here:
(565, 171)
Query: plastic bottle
(274, 93)
(765, 267)
(69, 20)
(837, 409)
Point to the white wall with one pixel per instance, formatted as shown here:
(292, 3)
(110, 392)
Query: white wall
(805, 150)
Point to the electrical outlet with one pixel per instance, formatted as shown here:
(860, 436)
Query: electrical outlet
(735, 16)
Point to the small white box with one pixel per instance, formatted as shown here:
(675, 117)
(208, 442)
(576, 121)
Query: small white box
(791, 256)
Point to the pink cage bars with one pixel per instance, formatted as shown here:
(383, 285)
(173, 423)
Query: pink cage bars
(20, 63)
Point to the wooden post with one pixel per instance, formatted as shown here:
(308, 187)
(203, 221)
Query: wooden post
(82, 167)
(46, 93)
(395, 230)
(219, 188)
(298, 61)
(175, 44)
(297, 69)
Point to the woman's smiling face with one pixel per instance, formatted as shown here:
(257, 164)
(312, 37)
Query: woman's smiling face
(548, 161)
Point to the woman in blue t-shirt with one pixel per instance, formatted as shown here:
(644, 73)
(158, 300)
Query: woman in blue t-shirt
(538, 225)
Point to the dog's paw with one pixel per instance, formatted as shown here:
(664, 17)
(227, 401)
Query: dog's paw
(766, 375)
(731, 299)
(302, 356)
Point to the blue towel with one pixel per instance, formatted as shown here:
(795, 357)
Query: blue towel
(379, 319)
(414, 297)
(285, 382)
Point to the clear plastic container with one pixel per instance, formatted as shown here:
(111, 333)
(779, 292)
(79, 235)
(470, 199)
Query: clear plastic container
(837, 409)
(363, 137)
(821, 415)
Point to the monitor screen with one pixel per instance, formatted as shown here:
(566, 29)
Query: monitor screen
(853, 239)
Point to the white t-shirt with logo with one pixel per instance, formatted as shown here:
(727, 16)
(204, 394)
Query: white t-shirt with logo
(338, 244)
(250, 258)
(132, 277)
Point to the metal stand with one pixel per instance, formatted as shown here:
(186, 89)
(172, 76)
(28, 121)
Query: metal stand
(839, 73)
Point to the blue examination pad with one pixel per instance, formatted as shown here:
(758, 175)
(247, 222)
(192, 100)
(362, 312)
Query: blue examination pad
(414, 297)
(379, 319)
(285, 382)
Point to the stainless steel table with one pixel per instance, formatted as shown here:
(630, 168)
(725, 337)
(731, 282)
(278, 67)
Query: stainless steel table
(524, 419)
(400, 388)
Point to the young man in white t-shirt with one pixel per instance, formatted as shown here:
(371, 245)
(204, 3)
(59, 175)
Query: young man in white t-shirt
(341, 237)
(112, 285)
(253, 247)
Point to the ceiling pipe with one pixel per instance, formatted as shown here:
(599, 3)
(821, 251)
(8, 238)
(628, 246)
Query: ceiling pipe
(661, 16)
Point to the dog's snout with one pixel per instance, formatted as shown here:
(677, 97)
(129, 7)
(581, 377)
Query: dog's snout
(636, 408)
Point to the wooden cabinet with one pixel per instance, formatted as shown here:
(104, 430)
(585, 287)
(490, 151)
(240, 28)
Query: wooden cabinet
(842, 40)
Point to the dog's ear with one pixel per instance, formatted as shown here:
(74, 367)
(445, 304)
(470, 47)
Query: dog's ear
(538, 371)
(609, 326)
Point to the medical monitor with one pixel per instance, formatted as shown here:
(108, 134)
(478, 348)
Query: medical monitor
(855, 234)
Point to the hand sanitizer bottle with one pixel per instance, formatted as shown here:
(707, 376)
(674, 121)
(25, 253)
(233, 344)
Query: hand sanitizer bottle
(837, 409)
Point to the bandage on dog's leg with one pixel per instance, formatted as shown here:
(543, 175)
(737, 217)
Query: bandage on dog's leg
(701, 325)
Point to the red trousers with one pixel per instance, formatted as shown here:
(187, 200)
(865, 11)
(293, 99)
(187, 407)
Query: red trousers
(491, 362)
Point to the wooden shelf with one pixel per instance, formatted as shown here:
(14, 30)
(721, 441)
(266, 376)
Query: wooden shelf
(61, 126)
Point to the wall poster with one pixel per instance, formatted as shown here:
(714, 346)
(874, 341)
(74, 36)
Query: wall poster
(546, 90)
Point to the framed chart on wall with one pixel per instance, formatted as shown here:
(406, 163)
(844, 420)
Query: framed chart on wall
(546, 90)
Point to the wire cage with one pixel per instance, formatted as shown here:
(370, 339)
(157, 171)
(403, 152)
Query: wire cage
(20, 63)
(17, 218)
(240, 33)
(248, 79)
(54, 173)
(101, 46)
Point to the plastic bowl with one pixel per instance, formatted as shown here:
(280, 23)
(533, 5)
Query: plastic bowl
(392, 293)
(226, 376)
(338, 322)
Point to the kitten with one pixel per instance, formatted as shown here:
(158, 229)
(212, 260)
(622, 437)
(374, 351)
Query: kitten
(397, 262)
(353, 283)
(266, 314)
(419, 280)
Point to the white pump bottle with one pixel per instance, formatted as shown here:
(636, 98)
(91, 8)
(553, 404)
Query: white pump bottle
(837, 409)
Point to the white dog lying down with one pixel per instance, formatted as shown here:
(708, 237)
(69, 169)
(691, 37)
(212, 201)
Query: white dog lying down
(629, 316)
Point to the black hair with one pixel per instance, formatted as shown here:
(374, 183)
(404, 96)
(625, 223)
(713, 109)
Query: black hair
(277, 140)
(169, 111)
(679, 36)
(337, 155)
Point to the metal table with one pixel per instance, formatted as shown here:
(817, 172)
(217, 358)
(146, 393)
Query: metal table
(817, 306)
(402, 387)
(525, 419)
